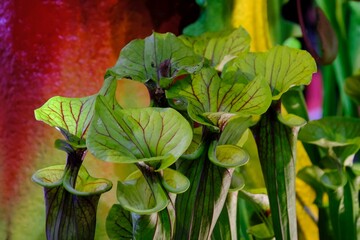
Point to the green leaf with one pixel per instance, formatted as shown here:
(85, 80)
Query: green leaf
(282, 67)
(261, 231)
(356, 169)
(237, 182)
(340, 135)
(220, 47)
(252, 170)
(174, 181)
(158, 136)
(196, 147)
(74, 114)
(276, 144)
(67, 113)
(70, 213)
(50, 176)
(343, 191)
(207, 93)
(219, 119)
(71, 140)
(86, 185)
(200, 206)
(333, 179)
(349, 209)
(331, 131)
(157, 226)
(294, 103)
(243, 212)
(214, 16)
(353, 32)
(291, 120)
(259, 201)
(225, 227)
(142, 194)
(227, 156)
(119, 223)
(321, 180)
(352, 88)
(235, 130)
(159, 57)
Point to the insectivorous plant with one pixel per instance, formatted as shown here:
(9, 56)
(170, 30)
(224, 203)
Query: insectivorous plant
(210, 97)
(71, 194)
(335, 174)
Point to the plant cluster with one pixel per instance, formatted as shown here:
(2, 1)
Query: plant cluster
(209, 97)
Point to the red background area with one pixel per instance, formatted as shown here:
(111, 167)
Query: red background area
(59, 47)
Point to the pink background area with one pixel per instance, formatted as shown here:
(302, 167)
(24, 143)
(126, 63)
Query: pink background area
(59, 47)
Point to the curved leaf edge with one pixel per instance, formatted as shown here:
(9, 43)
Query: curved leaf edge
(101, 185)
(322, 179)
(213, 156)
(237, 182)
(112, 155)
(79, 130)
(157, 192)
(176, 177)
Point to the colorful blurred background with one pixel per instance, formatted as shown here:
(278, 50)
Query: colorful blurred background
(59, 47)
(63, 47)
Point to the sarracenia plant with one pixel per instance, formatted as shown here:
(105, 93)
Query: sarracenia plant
(209, 94)
(71, 194)
(335, 175)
